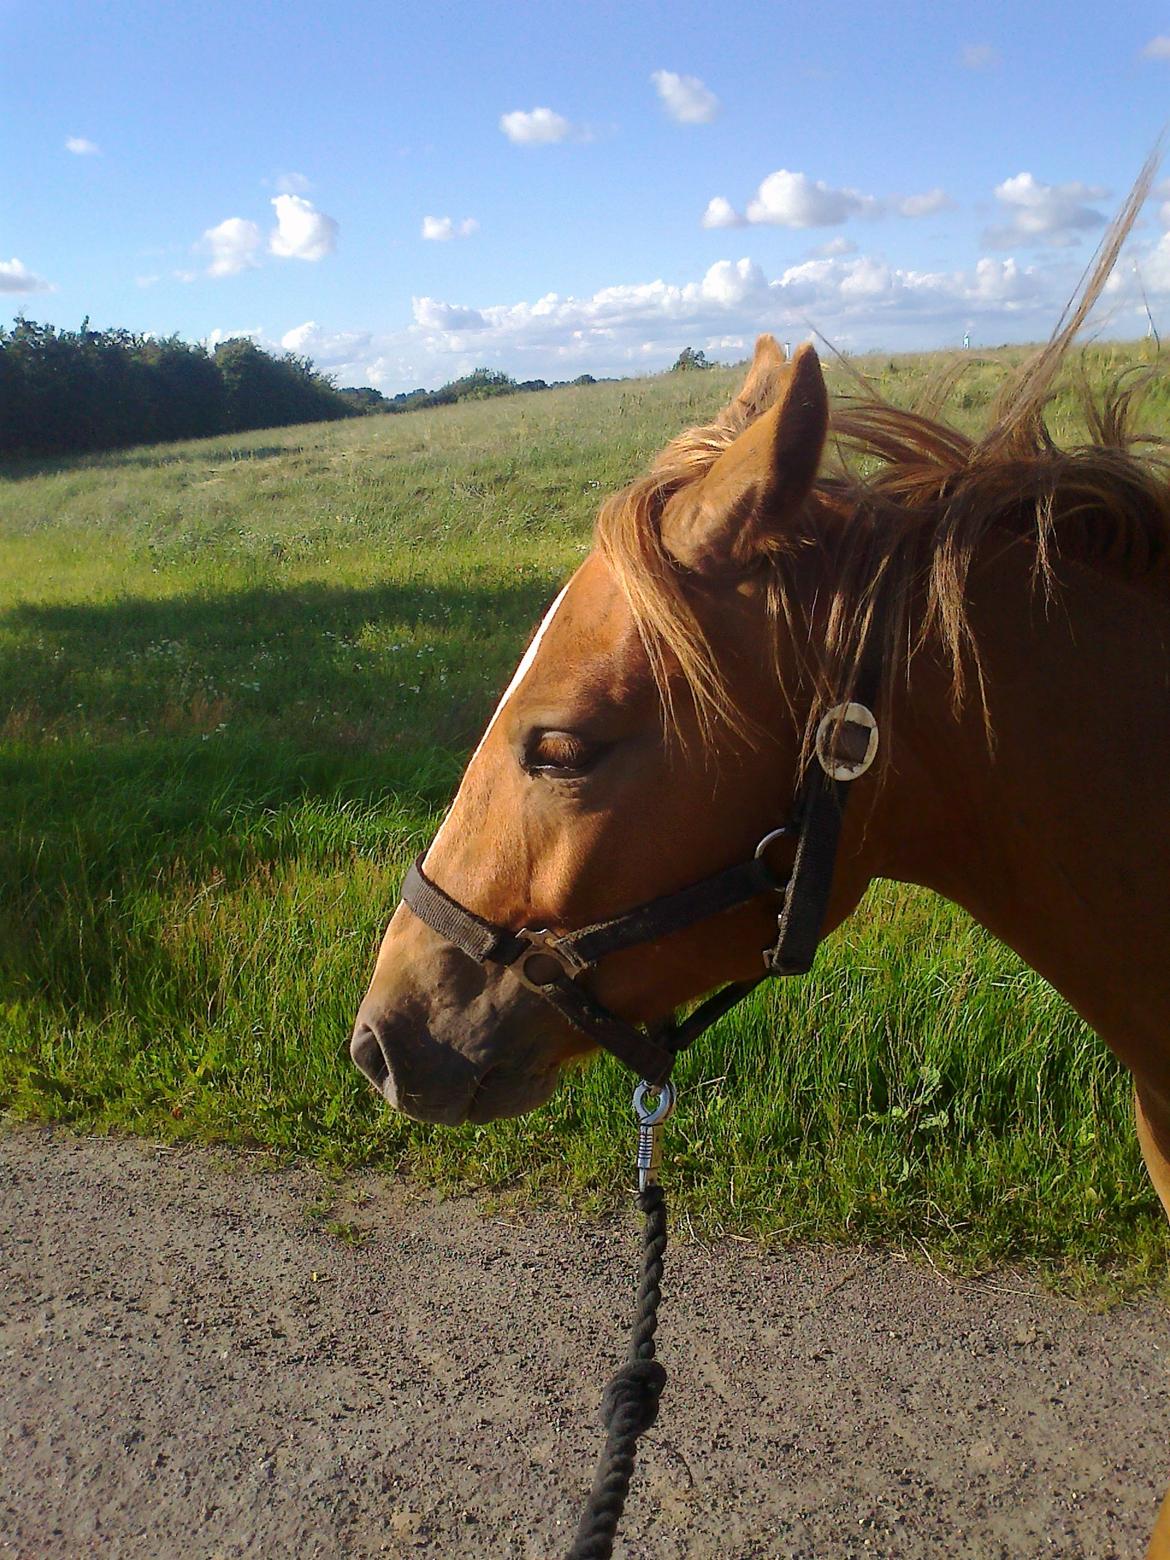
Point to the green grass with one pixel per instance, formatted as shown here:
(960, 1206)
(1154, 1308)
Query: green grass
(238, 680)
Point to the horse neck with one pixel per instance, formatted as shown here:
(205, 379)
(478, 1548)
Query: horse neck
(1054, 834)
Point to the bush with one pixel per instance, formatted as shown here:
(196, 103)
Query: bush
(67, 392)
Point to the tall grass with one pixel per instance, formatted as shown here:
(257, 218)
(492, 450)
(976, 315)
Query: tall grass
(238, 680)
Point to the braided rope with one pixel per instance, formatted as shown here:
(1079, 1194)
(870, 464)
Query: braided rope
(630, 1405)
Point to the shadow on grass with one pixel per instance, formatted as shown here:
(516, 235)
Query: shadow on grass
(156, 764)
(388, 660)
(216, 448)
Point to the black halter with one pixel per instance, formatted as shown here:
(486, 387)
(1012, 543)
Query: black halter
(552, 965)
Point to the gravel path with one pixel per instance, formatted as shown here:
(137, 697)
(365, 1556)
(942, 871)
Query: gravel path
(195, 1366)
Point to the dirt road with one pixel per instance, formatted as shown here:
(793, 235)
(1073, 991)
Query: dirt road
(194, 1365)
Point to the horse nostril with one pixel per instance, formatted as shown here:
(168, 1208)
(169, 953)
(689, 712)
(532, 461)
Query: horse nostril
(367, 1054)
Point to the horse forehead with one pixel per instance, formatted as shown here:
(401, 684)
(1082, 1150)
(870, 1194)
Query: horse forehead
(593, 624)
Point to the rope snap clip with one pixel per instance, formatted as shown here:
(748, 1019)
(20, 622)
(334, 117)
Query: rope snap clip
(650, 1119)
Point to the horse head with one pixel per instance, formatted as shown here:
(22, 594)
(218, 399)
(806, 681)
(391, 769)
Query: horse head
(642, 745)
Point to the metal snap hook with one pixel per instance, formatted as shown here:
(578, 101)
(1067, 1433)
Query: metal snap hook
(650, 1119)
(653, 1115)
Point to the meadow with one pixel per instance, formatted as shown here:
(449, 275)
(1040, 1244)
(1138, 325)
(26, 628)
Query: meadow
(238, 681)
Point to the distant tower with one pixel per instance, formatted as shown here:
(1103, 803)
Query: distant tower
(966, 340)
(787, 349)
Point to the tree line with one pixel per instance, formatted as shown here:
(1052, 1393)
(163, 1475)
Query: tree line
(65, 392)
(479, 385)
(74, 391)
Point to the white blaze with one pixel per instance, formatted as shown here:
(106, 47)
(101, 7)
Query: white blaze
(518, 677)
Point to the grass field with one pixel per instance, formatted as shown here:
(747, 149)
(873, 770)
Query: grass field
(238, 681)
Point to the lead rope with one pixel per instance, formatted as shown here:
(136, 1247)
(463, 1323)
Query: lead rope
(630, 1404)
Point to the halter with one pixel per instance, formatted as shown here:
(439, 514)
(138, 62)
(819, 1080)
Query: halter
(553, 965)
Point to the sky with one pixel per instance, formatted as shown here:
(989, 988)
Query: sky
(404, 192)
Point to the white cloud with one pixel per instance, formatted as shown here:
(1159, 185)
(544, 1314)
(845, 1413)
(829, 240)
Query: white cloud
(328, 349)
(832, 247)
(213, 340)
(731, 285)
(979, 56)
(859, 301)
(234, 245)
(433, 315)
(925, 205)
(1003, 281)
(302, 232)
(292, 183)
(443, 229)
(15, 277)
(1052, 214)
(1158, 48)
(856, 300)
(81, 147)
(685, 98)
(535, 127)
(150, 280)
(720, 213)
(793, 200)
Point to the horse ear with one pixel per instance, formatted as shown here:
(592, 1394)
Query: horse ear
(724, 521)
(764, 379)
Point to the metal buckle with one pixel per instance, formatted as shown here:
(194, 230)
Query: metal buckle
(545, 945)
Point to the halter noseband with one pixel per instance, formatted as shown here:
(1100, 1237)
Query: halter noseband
(552, 964)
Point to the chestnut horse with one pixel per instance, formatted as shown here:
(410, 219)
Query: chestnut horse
(661, 722)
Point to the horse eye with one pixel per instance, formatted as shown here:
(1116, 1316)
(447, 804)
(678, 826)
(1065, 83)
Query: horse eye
(558, 753)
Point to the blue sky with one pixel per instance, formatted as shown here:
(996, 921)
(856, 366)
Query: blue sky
(602, 183)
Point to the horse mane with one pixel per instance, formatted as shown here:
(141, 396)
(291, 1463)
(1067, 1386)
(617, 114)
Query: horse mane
(906, 512)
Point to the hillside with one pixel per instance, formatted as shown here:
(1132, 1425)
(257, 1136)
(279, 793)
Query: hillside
(238, 680)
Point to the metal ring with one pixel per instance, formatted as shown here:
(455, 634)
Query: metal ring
(838, 768)
(767, 840)
(654, 1116)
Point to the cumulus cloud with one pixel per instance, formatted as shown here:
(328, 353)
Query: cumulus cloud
(859, 301)
(433, 315)
(924, 205)
(328, 349)
(793, 200)
(250, 333)
(15, 277)
(832, 247)
(302, 232)
(292, 183)
(685, 98)
(857, 298)
(1158, 48)
(979, 56)
(1051, 214)
(80, 146)
(535, 126)
(234, 246)
(443, 229)
(720, 213)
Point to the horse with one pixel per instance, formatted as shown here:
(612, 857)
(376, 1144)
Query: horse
(997, 607)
